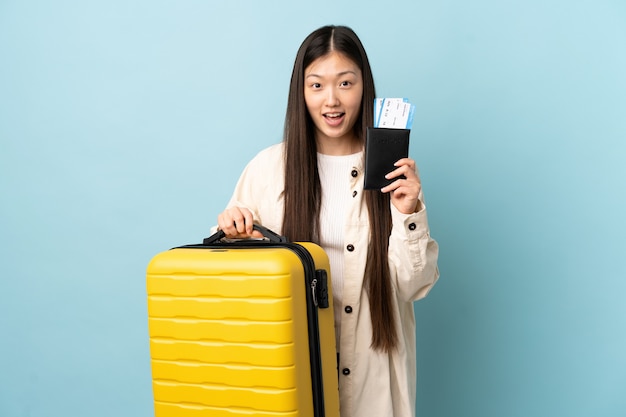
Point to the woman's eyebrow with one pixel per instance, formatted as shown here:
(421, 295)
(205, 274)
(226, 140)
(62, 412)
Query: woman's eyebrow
(340, 74)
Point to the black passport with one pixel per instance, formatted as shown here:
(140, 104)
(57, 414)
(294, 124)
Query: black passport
(383, 148)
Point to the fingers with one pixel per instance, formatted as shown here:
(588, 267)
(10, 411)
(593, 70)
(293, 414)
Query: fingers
(408, 162)
(406, 167)
(406, 188)
(406, 174)
(256, 234)
(404, 195)
(237, 222)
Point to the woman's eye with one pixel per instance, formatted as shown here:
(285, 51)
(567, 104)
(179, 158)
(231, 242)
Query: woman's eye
(346, 84)
(316, 85)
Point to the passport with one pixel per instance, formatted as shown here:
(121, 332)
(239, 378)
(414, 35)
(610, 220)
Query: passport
(383, 147)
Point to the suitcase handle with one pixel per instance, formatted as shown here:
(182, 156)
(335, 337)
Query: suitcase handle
(270, 235)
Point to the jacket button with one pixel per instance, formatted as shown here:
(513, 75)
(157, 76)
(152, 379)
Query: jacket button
(412, 226)
(348, 309)
(350, 248)
(354, 194)
(354, 173)
(345, 371)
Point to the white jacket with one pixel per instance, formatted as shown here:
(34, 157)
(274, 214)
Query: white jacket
(370, 383)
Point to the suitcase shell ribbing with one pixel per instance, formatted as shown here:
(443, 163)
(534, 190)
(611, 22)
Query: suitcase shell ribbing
(229, 333)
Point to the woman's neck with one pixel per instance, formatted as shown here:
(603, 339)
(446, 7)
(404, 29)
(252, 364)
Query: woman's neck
(338, 146)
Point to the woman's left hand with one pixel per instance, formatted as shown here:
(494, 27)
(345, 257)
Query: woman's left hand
(404, 192)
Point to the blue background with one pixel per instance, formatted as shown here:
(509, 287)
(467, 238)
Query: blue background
(125, 124)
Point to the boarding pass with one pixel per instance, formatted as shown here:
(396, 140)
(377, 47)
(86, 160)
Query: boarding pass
(393, 113)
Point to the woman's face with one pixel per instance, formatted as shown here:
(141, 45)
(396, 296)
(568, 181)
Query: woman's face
(333, 89)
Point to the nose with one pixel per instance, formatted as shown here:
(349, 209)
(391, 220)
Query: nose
(332, 99)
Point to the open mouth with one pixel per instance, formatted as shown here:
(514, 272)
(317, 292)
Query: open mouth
(334, 119)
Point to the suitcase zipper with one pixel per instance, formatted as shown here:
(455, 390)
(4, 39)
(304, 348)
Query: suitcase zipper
(313, 289)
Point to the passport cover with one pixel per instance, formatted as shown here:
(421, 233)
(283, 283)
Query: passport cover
(383, 147)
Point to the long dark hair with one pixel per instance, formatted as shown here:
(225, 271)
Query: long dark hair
(302, 194)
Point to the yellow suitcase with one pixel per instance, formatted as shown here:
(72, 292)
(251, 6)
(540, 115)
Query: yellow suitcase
(242, 328)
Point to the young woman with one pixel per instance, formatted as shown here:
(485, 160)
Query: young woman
(310, 188)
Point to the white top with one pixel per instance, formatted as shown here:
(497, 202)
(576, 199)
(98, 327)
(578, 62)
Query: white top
(334, 172)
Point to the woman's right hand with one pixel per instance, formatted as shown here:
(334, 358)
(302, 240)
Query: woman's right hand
(236, 222)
